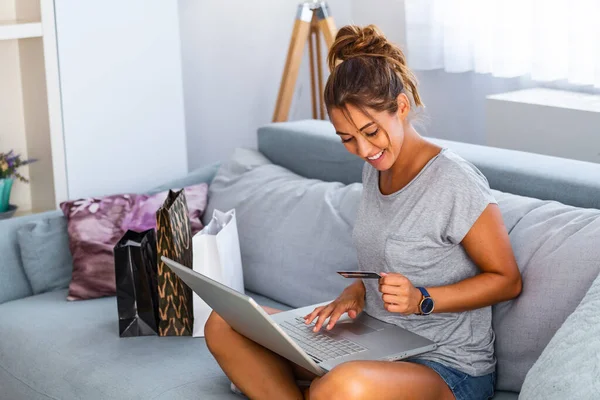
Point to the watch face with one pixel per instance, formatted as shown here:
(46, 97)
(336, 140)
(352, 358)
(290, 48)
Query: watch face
(427, 306)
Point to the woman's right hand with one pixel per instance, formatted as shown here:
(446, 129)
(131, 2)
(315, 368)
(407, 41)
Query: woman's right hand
(351, 301)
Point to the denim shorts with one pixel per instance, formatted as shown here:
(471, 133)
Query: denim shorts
(464, 386)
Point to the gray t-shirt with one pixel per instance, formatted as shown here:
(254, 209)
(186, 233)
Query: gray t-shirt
(417, 232)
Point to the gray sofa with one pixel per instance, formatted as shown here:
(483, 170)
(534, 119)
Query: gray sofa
(54, 349)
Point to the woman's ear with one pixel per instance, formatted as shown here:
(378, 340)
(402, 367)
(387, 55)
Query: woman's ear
(403, 106)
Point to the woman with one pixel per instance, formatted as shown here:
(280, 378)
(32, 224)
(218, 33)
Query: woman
(427, 221)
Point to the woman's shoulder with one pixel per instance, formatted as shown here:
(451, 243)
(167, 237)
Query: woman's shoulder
(458, 178)
(456, 170)
(465, 191)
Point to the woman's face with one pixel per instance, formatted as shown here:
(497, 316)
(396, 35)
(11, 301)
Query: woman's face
(368, 139)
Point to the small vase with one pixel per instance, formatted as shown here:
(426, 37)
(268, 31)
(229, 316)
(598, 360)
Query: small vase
(5, 187)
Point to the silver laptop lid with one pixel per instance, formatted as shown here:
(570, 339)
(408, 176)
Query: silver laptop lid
(244, 315)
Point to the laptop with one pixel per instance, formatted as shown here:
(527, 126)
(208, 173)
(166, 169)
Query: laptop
(285, 333)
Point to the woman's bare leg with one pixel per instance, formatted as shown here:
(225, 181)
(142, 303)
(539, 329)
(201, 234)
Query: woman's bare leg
(256, 371)
(380, 380)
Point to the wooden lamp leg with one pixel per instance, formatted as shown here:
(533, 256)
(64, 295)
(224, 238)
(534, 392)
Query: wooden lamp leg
(300, 34)
(320, 78)
(326, 24)
(312, 38)
(313, 17)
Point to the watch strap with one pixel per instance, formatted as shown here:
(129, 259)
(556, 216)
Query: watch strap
(423, 291)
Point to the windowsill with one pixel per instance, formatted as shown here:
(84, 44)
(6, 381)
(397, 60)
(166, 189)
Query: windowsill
(552, 98)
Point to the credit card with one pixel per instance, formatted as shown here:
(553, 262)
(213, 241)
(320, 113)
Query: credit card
(360, 274)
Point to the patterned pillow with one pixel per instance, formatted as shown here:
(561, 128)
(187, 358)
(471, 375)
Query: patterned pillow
(95, 225)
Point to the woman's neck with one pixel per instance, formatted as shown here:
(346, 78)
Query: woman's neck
(415, 153)
(410, 151)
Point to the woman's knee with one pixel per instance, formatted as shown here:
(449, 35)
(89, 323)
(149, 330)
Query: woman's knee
(347, 381)
(215, 331)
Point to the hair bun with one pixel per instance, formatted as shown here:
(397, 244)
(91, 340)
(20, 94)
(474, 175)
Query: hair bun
(372, 55)
(355, 41)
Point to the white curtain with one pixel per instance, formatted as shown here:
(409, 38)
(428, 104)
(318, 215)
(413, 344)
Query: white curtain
(546, 39)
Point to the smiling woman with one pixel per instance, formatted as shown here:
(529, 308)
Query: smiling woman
(370, 76)
(427, 223)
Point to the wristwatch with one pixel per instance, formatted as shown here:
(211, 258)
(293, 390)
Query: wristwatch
(427, 304)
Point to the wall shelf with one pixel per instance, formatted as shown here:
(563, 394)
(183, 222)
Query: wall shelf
(30, 100)
(10, 30)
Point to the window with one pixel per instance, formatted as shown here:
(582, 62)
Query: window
(548, 40)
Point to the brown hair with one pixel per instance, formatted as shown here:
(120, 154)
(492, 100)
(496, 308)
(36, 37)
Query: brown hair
(367, 71)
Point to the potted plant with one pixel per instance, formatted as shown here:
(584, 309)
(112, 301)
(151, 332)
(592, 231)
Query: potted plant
(9, 163)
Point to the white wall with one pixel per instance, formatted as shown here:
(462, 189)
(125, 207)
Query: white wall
(233, 54)
(455, 103)
(388, 15)
(122, 94)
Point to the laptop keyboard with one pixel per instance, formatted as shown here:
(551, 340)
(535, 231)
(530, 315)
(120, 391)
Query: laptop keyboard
(319, 345)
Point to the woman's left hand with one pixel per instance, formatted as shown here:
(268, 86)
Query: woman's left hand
(399, 294)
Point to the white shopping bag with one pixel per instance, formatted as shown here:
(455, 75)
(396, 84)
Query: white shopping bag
(217, 255)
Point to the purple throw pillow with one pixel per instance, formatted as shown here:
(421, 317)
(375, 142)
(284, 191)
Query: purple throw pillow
(95, 225)
(143, 214)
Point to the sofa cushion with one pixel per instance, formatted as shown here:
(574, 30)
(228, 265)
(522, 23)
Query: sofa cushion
(13, 280)
(569, 366)
(52, 348)
(294, 232)
(556, 247)
(44, 247)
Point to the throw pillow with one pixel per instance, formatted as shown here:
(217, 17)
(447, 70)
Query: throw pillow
(556, 247)
(44, 248)
(142, 215)
(294, 232)
(95, 225)
(569, 366)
